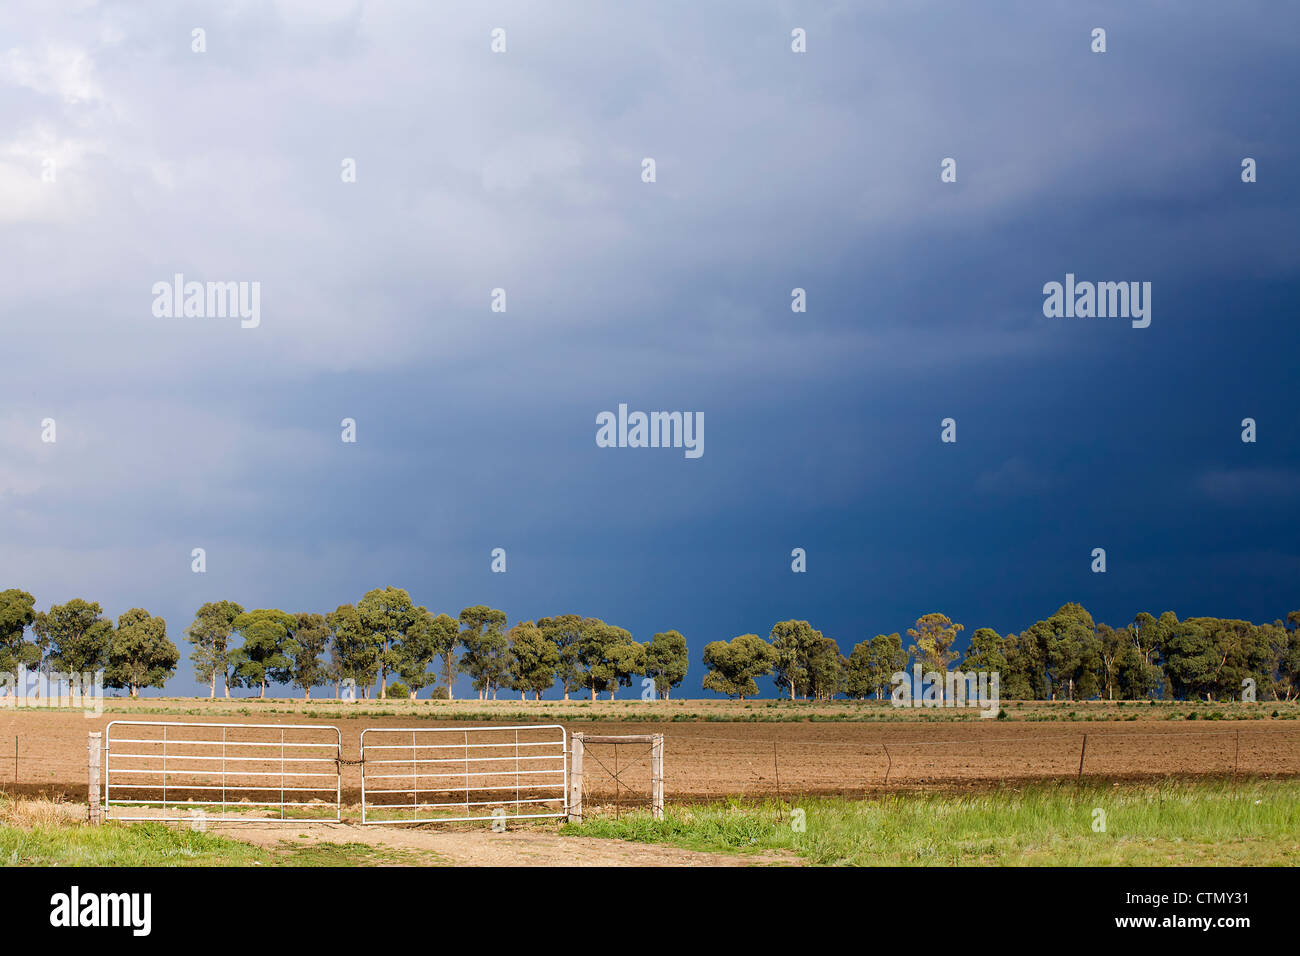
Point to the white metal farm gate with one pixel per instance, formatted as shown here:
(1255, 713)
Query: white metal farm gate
(451, 774)
(266, 773)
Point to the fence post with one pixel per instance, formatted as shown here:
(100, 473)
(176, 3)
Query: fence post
(94, 746)
(575, 779)
(663, 788)
(1083, 750)
(657, 777)
(776, 771)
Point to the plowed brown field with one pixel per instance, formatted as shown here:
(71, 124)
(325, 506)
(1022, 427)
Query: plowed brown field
(714, 759)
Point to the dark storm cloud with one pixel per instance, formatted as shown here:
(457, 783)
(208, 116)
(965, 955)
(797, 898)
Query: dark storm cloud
(476, 430)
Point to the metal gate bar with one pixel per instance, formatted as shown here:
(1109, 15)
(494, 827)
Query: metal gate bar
(239, 769)
(488, 760)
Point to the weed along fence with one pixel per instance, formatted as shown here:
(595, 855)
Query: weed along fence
(452, 774)
(276, 773)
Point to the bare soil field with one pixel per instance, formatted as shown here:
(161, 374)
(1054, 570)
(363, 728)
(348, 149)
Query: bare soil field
(551, 710)
(713, 758)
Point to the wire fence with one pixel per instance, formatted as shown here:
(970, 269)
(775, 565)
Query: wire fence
(9, 767)
(617, 777)
(782, 766)
(785, 760)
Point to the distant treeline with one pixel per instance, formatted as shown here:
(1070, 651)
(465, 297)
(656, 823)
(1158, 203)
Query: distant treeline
(1066, 657)
(76, 638)
(383, 638)
(387, 640)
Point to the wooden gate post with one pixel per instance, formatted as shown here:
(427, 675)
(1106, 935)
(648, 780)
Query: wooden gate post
(657, 777)
(575, 779)
(94, 746)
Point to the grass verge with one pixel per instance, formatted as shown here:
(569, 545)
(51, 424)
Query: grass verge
(52, 833)
(1244, 823)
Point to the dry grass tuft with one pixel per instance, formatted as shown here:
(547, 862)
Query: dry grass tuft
(27, 813)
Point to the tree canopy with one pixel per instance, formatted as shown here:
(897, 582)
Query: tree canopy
(1068, 655)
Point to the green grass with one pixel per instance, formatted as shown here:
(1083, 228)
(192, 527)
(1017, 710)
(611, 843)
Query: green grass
(144, 844)
(1176, 824)
(154, 844)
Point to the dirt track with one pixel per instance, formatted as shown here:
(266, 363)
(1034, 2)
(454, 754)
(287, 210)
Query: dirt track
(538, 846)
(708, 759)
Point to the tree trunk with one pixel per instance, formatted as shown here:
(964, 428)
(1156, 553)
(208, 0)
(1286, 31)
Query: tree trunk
(212, 685)
(225, 680)
(667, 692)
(593, 693)
(306, 693)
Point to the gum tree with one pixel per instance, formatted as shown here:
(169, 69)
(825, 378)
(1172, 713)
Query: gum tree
(825, 671)
(262, 658)
(417, 651)
(934, 635)
(387, 614)
(792, 644)
(486, 648)
(861, 676)
(733, 665)
(593, 655)
(444, 633)
(626, 658)
(1068, 649)
(77, 636)
(210, 634)
(17, 612)
(565, 632)
(305, 647)
(354, 652)
(140, 654)
(667, 661)
(608, 657)
(533, 658)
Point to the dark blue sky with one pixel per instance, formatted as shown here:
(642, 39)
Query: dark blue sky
(775, 170)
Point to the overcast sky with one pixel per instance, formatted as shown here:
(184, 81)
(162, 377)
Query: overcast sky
(775, 170)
